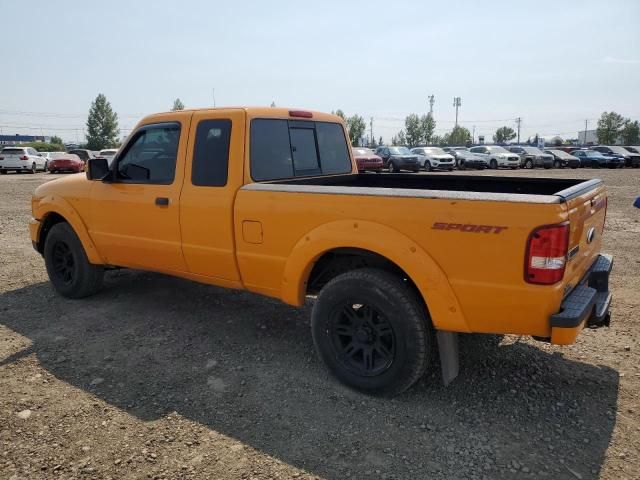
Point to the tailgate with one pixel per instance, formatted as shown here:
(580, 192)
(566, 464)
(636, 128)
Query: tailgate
(587, 210)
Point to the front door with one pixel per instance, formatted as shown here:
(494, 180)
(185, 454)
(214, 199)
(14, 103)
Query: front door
(134, 218)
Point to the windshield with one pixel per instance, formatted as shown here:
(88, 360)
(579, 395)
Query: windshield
(362, 151)
(532, 150)
(434, 151)
(594, 154)
(559, 153)
(399, 150)
(497, 149)
(619, 150)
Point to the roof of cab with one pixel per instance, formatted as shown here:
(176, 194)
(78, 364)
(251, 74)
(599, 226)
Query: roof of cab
(261, 112)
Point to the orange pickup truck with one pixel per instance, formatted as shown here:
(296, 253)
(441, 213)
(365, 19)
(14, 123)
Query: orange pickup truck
(269, 200)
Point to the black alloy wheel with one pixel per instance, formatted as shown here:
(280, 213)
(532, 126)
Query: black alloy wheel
(362, 338)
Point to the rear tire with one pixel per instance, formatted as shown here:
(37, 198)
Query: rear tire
(392, 167)
(372, 332)
(528, 163)
(3, 172)
(69, 270)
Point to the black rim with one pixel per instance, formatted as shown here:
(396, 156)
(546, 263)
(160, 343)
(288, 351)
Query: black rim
(362, 338)
(63, 263)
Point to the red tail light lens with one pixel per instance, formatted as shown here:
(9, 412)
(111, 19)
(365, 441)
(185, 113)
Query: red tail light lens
(300, 113)
(547, 254)
(24, 157)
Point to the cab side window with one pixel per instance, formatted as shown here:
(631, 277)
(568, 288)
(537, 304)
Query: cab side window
(150, 156)
(211, 153)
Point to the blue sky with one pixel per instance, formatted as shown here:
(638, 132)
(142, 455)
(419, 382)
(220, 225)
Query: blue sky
(554, 64)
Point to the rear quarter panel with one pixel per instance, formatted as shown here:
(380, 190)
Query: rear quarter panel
(475, 280)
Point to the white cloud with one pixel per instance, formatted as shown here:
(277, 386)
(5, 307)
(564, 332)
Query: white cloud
(621, 61)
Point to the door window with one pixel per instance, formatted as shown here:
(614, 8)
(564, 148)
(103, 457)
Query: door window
(211, 153)
(150, 156)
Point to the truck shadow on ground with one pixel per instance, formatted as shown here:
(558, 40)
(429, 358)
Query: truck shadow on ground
(244, 366)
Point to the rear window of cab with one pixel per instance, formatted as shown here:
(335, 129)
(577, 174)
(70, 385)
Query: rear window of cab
(282, 148)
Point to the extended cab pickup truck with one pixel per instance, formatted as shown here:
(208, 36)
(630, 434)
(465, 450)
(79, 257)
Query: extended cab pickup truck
(269, 200)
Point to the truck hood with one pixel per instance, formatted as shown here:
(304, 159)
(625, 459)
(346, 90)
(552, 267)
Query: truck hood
(75, 185)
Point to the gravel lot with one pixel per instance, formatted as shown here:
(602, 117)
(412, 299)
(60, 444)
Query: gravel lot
(158, 377)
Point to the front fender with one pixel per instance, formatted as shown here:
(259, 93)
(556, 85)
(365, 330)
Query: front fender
(445, 310)
(55, 204)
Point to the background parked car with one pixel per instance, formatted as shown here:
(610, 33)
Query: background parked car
(110, 153)
(594, 159)
(67, 162)
(367, 160)
(434, 158)
(21, 159)
(398, 158)
(466, 159)
(633, 148)
(531, 157)
(48, 156)
(563, 159)
(497, 156)
(630, 159)
(84, 154)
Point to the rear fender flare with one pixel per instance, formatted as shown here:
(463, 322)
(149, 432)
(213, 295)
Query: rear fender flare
(428, 277)
(54, 204)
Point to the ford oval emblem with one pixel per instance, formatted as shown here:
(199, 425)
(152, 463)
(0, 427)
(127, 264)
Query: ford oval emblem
(591, 234)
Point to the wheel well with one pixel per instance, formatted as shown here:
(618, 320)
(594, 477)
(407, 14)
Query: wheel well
(49, 221)
(340, 260)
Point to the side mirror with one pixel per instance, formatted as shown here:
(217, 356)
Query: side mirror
(97, 168)
(637, 203)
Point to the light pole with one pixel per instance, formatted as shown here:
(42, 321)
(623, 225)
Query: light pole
(457, 102)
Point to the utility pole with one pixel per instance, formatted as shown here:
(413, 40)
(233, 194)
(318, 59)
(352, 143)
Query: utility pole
(214, 97)
(519, 121)
(371, 126)
(457, 102)
(432, 100)
(473, 135)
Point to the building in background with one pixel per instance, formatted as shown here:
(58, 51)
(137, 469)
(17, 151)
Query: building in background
(22, 139)
(587, 137)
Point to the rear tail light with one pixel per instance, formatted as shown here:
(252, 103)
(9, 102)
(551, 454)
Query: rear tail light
(1, 158)
(546, 255)
(24, 157)
(300, 113)
(606, 205)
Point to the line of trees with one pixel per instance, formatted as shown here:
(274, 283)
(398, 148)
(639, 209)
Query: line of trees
(613, 127)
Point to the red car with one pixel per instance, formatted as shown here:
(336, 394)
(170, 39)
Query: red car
(66, 162)
(366, 159)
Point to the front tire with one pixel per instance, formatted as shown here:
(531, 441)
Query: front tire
(528, 163)
(34, 168)
(392, 167)
(372, 332)
(493, 164)
(69, 270)
(557, 164)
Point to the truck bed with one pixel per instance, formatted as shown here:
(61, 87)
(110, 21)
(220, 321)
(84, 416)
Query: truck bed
(468, 187)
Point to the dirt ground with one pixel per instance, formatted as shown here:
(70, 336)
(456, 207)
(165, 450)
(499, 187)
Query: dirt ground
(157, 377)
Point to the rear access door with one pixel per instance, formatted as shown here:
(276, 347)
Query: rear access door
(213, 175)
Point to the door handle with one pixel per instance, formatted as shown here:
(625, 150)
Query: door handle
(162, 201)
